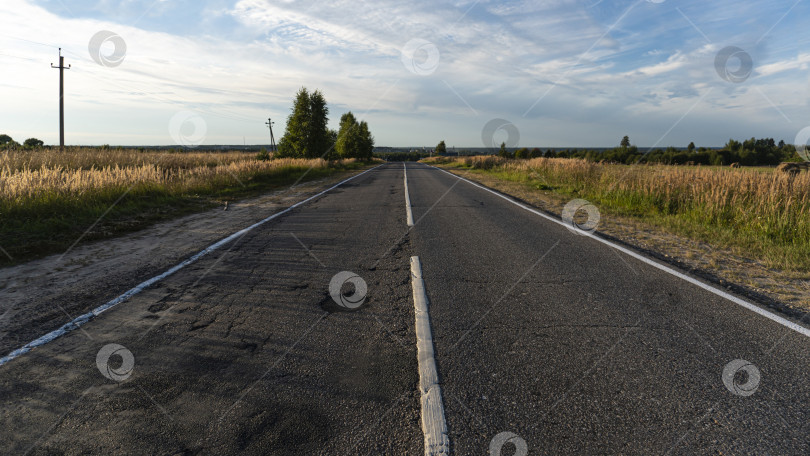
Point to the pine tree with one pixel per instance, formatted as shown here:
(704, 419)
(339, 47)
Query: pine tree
(366, 142)
(294, 143)
(318, 137)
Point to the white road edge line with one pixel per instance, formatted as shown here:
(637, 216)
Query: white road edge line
(82, 319)
(434, 425)
(408, 210)
(752, 307)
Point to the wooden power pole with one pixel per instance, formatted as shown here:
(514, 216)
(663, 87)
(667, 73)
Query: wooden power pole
(270, 123)
(62, 69)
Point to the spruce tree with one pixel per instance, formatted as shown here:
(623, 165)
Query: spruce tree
(294, 143)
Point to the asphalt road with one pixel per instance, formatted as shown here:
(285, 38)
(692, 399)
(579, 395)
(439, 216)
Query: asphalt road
(566, 344)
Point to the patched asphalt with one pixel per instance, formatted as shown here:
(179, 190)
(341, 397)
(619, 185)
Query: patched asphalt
(540, 332)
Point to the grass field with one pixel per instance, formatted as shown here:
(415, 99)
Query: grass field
(753, 211)
(49, 199)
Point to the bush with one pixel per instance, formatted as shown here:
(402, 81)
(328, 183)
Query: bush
(263, 155)
(33, 143)
(483, 162)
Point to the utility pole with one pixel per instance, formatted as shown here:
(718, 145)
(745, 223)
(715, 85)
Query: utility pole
(62, 69)
(270, 123)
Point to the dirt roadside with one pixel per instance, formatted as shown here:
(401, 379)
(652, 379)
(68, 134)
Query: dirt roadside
(744, 276)
(41, 295)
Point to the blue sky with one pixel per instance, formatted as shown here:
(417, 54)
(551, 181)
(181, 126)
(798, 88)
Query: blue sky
(565, 73)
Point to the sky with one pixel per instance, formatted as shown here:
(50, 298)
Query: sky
(555, 73)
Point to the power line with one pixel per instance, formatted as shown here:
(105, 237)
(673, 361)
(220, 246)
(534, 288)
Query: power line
(29, 41)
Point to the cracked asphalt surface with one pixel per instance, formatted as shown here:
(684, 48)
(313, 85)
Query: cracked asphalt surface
(579, 349)
(243, 351)
(538, 331)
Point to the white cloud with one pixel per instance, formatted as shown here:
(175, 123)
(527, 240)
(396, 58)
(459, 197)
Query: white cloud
(799, 63)
(499, 57)
(674, 62)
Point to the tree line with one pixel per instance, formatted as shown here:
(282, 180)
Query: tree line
(751, 152)
(7, 142)
(307, 134)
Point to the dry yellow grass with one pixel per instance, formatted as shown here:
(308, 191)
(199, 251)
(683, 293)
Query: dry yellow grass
(49, 197)
(85, 157)
(29, 183)
(754, 210)
(32, 174)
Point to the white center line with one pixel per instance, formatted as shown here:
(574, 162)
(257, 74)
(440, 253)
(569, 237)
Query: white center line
(408, 210)
(434, 425)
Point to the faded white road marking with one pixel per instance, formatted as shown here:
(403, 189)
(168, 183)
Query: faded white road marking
(752, 307)
(433, 423)
(408, 210)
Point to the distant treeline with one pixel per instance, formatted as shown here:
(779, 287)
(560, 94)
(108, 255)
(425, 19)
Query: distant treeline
(751, 152)
(401, 156)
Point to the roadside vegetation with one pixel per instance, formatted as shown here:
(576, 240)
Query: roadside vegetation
(401, 156)
(754, 211)
(751, 152)
(49, 199)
